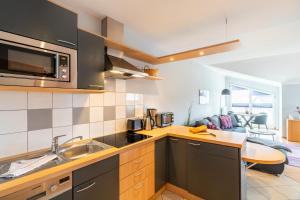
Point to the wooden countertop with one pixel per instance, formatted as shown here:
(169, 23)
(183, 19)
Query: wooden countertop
(256, 153)
(237, 140)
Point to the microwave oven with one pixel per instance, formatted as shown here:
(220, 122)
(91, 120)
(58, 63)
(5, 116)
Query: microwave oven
(28, 62)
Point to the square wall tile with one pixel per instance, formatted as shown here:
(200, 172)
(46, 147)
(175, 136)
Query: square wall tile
(138, 99)
(139, 111)
(62, 100)
(81, 130)
(110, 84)
(96, 114)
(13, 121)
(13, 144)
(66, 130)
(130, 98)
(130, 112)
(62, 117)
(120, 85)
(109, 99)
(81, 116)
(39, 100)
(81, 100)
(109, 127)
(96, 129)
(121, 125)
(40, 139)
(120, 99)
(39, 119)
(96, 100)
(109, 113)
(11, 100)
(120, 112)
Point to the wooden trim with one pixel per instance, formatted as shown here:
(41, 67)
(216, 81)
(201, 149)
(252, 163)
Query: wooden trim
(181, 192)
(158, 193)
(43, 89)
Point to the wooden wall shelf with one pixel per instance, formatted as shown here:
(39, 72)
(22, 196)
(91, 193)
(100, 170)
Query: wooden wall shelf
(40, 89)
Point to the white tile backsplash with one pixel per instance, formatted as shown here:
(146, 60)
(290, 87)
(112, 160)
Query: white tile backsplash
(109, 127)
(66, 130)
(16, 139)
(109, 99)
(39, 139)
(96, 114)
(12, 144)
(120, 85)
(81, 100)
(11, 100)
(96, 129)
(120, 99)
(96, 100)
(121, 125)
(13, 121)
(39, 100)
(62, 117)
(120, 112)
(62, 100)
(81, 130)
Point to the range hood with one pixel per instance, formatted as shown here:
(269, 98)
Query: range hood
(115, 65)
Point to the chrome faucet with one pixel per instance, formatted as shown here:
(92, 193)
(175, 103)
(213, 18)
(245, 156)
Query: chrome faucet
(55, 146)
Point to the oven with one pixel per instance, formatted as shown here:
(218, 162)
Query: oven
(28, 62)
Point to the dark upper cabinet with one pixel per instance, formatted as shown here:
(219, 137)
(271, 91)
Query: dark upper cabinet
(177, 161)
(213, 171)
(161, 163)
(98, 181)
(90, 66)
(41, 20)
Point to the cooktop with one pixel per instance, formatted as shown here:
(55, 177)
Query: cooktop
(122, 139)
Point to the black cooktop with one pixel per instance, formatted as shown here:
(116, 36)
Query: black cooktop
(122, 139)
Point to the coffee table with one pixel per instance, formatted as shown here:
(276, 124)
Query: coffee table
(258, 133)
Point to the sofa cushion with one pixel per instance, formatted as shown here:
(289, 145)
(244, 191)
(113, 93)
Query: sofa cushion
(234, 120)
(203, 121)
(215, 120)
(225, 121)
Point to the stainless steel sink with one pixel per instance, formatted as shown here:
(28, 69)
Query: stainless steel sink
(81, 149)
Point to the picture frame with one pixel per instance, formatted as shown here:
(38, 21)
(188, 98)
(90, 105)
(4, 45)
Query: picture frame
(203, 97)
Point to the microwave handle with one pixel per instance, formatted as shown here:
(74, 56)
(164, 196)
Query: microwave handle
(57, 65)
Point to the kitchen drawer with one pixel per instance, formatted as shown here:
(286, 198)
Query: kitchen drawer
(135, 165)
(86, 173)
(140, 191)
(136, 177)
(136, 153)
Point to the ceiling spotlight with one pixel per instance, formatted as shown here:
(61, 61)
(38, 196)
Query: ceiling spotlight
(201, 53)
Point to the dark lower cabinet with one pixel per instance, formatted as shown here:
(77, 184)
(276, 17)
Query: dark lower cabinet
(214, 171)
(161, 163)
(64, 196)
(99, 181)
(177, 162)
(90, 66)
(41, 20)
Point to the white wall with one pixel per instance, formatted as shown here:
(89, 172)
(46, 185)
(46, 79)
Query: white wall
(179, 89)
(290, 100)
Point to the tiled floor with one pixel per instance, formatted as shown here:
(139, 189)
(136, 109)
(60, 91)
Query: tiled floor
(262, 186)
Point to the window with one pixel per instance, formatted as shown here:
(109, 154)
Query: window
(252, 100)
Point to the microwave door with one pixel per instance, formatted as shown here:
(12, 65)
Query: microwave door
(18, 61)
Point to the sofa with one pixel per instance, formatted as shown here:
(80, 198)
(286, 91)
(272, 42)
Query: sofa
(276, 169)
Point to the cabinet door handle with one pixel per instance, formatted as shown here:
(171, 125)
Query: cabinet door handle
(194, 144)
(136, 175)
(96, 86)
(173, 139)
(138, 186)
(66, 42)
(88, 187)
(138, 161)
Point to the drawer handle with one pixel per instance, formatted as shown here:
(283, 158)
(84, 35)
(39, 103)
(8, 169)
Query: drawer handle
(88, 187)
(66, 42)
(173, 139)
(136, 175)
(138, 186)
(96, 86)
(194, 144)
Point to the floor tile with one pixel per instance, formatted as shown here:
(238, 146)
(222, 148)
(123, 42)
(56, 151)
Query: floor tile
(291, 192)
(253, 194)
(270, 193)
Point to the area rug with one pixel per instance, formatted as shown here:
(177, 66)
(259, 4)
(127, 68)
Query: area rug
(294, 157)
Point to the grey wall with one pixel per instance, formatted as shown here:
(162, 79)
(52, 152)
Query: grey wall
(290, 100)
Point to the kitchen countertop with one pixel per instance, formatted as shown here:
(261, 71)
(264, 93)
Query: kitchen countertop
(237, 140)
